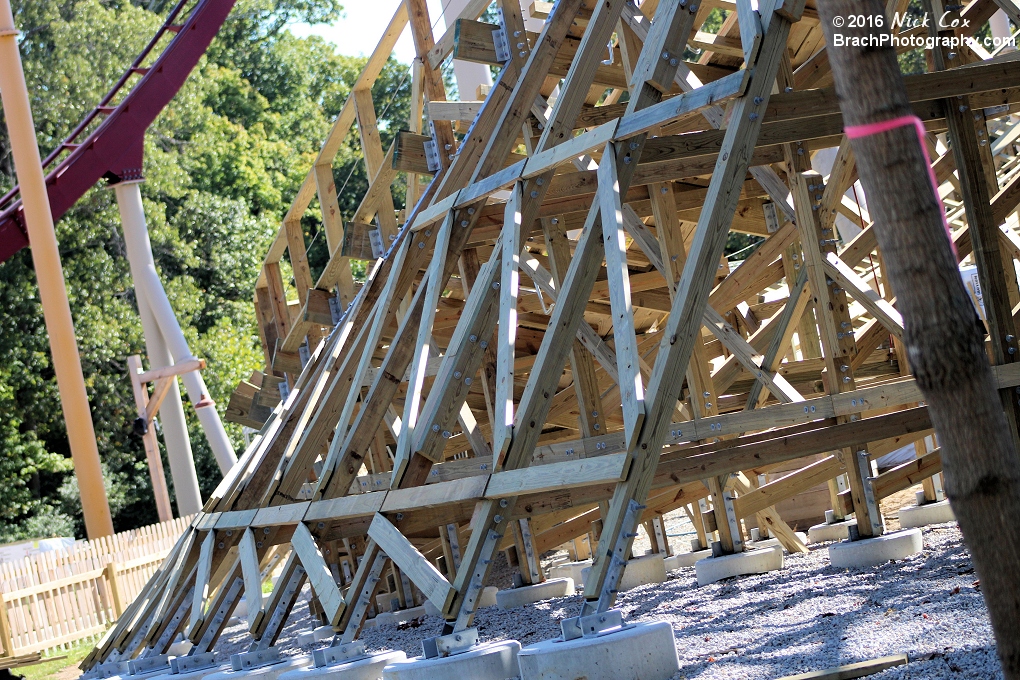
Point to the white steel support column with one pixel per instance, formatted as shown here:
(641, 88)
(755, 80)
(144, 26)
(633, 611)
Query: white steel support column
(147, 283)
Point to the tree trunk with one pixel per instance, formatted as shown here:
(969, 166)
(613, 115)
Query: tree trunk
(943, 337)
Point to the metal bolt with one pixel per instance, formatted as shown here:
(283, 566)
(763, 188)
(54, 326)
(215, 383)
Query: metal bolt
(467, 381)
(457, 374)
(539, 181)
(758, 100)
(446, 434)
(665, 55)
(673, 62)
(800, 152)
(788, 89)
(483, 344)
(534, 194)
(626, 159)
(400, 516)
(464, 223)
(471, 211)
(495, 285)
(503, 502)
(555, 220)
(1010, 338)
(435, 428)
(752, 116)
(951, 55)
(663, 190)
(473, 338)
(497, 519)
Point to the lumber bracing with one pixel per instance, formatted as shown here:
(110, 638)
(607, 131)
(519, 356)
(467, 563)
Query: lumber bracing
(550, 343)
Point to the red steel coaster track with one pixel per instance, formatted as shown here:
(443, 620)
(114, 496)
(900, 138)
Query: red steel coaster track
(114, 149)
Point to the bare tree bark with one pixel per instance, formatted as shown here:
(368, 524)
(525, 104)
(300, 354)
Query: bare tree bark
(943, 337)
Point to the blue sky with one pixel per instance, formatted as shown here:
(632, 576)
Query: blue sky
(358, 31)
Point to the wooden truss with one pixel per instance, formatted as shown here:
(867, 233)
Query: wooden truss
(553, 343)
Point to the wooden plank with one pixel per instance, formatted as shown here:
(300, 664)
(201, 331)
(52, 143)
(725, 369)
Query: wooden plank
(247, 555)
(586, 472)
(428, 579)
(628, 361)
(318, 572)
(848, 279)
(506, 333)
(854, 670)
(435, 284)
(203, 585)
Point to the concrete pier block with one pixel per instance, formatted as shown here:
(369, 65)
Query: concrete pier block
(640, 571)
(929, 513)
(749, 562)
(369, 667)
(773, 542)
(310, 637)
(570, 570)
(488, 597)
(491, 661)
(271, 672)
(643, 651)
(870, 552)
(518, 597)
(686, 559)
(401, 616)
(837, 531)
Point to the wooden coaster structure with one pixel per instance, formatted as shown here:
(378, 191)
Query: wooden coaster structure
(552, 344)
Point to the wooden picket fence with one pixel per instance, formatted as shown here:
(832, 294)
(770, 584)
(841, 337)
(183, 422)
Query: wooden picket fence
(56, 598)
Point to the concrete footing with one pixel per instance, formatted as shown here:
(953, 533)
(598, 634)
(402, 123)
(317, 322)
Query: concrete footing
(686, 559)
(870, 552)
(201, 673)
(492, 661)
(644, 651)
(572, 570)
(929, 513)
(369, 667)
(402, 615)
(773, 542)
(640, 571)
(310, 637)
(270, 672)
(518, 597)
(837, 531)
(488, 597)
(749, 562)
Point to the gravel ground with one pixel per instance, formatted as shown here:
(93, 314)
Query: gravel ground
(808, 616)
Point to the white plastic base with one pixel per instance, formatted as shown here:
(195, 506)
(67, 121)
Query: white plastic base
(368, 668)
(870, 552)
(491, 661)
(518, 597)
(773, 542)
(837, 531)
(310, 637)
(929, 513)
(644, 651)
(686, 559)
(271, 672)
(640, 571)
(571, 570)
(749, 562)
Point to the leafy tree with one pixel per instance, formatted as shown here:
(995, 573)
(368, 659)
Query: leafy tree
(222, 164)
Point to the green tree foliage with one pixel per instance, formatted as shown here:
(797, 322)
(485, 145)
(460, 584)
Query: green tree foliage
(222, 164)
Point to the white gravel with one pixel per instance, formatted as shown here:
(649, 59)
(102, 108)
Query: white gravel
(807, 616)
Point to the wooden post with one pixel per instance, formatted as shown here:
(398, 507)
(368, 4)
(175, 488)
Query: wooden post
(49, 275)
(116, 592)
(942, 334)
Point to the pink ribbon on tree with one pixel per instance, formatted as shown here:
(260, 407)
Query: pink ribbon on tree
(858, 131)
